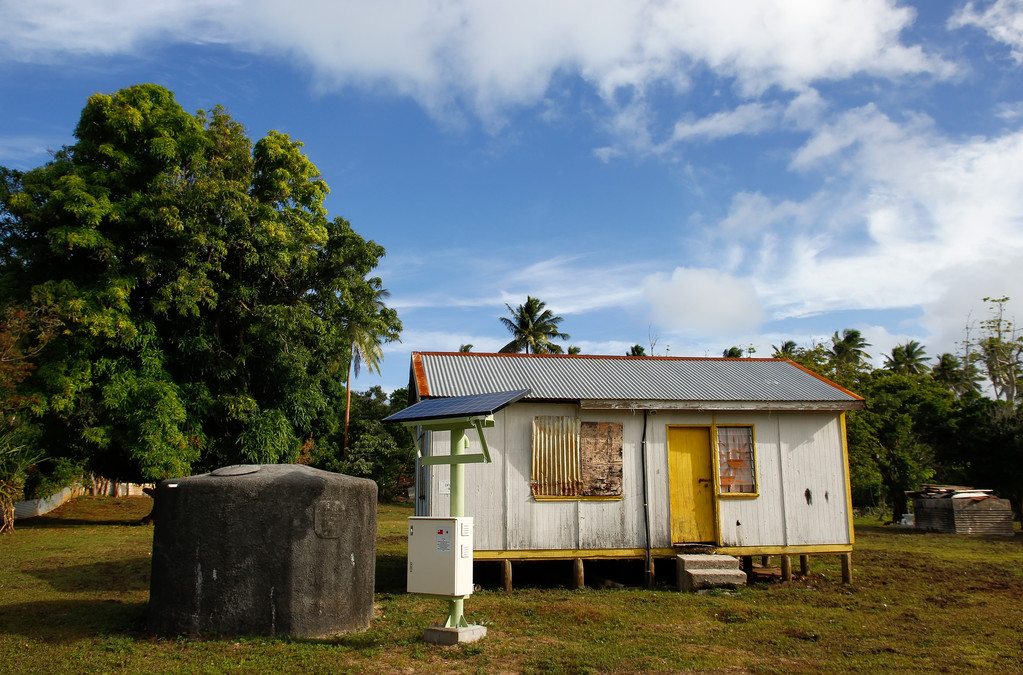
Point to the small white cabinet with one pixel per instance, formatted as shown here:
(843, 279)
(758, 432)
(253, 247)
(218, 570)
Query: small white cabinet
(440, 556)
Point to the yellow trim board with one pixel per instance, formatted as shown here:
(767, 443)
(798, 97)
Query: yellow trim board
(624, 553)
(848, 479)
(616, 498)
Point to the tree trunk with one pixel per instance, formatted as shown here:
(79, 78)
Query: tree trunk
(148, 520)
(348, 409)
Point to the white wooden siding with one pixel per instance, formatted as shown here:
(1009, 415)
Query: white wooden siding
(813, 466)
(795, 451)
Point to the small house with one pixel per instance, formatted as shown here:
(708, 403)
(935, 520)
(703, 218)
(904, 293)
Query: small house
(645, 457)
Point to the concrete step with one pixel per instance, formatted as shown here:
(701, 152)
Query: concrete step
(702, 561)
(694, 580)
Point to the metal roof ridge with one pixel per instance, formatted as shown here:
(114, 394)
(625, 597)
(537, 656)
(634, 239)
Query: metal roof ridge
(617, 357)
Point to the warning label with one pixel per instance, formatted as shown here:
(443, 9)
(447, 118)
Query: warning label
(444, 540)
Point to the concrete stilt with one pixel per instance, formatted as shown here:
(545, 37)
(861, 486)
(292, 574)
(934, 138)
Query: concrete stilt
(846, 568)
(804, 565)
(506, 575)
(786, 568)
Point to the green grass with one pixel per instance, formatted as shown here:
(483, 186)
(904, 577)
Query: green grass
(74, 586)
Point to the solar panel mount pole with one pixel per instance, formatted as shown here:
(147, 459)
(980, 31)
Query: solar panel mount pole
(459, 442)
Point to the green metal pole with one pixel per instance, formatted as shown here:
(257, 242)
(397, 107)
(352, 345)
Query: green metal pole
(459, 443)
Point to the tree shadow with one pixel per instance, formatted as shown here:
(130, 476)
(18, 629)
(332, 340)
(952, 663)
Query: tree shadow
(69, 620)
(124, 575)
(391, 573)
(50, 522)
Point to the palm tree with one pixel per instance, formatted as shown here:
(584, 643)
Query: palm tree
(465, 348)
(533, 328)
(732, 353)
(951, 374)
(787, 350)
(907, 359)
(366, 330)
(575, 350)
(848, 349)
(636, 350)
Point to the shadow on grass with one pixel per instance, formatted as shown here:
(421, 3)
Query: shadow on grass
(51, 522)
(69, 620)
(391, 573)
(124, 575)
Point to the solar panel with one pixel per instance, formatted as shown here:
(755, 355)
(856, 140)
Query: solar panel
(457, 406)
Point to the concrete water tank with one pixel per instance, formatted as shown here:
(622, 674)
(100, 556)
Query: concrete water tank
(263, 550)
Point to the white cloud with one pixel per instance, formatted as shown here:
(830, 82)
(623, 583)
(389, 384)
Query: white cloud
(490, 56)
(568, 284)
(749, 118)
(909, 217)
(1003, 21)
(24, 152)
(698, 302)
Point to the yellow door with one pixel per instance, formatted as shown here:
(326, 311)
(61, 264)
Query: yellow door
(691, 485)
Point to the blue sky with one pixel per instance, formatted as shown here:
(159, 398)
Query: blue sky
(682, 175)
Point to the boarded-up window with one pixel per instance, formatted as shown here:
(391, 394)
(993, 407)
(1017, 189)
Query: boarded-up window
(736, 466)
(576, 459)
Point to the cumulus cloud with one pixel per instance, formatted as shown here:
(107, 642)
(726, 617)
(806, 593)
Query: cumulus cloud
(489, 56)
(911, 218)
(698, 302)
(1003, 21)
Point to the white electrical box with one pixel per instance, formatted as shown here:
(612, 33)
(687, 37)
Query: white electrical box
(440, 556)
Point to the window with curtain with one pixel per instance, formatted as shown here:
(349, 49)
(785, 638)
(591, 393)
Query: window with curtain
(736, 462)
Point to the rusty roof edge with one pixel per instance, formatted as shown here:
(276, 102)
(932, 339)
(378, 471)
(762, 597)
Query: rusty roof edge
(419, 373)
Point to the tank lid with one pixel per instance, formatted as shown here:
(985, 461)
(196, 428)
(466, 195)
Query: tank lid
(235, 470)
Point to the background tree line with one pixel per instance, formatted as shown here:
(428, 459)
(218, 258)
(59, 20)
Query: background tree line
(955, 420)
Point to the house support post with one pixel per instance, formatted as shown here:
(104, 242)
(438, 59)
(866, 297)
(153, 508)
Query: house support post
(786, 568)
(578, 573)
(765, 561)
(804, 565)
(506, 575)
(846, 568)
(747, 566)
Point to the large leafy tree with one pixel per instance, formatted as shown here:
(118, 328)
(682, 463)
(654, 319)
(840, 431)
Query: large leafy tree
(534, 327)
(201, 286)
(907, 420)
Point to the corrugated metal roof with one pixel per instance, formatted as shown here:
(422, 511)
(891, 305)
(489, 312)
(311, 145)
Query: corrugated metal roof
(668, 379)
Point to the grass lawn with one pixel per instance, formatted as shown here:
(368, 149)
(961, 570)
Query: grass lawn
(74, 586)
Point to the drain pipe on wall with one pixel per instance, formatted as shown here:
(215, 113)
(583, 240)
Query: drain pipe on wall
(649, 566)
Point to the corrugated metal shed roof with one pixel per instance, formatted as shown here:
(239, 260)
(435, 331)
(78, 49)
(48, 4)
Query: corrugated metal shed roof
(625, 379)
